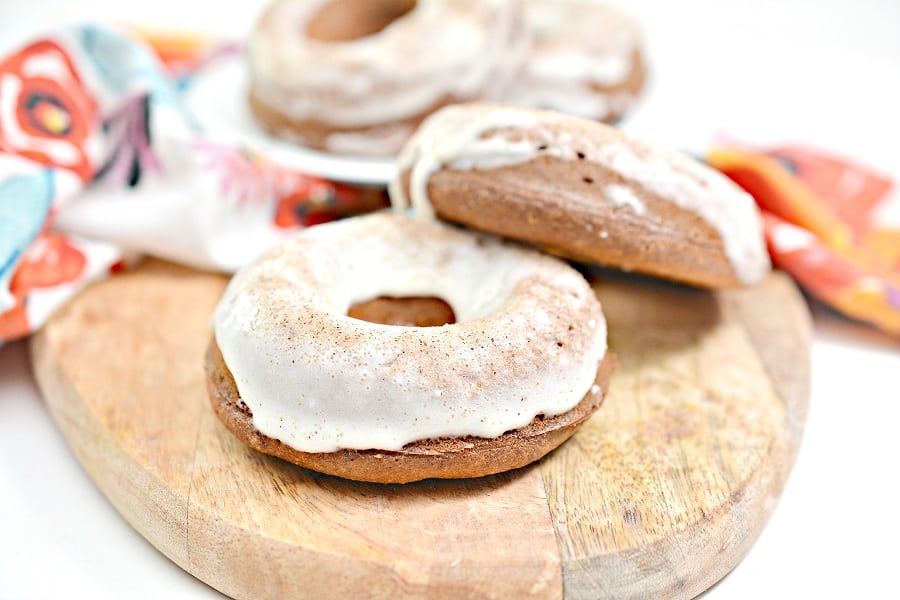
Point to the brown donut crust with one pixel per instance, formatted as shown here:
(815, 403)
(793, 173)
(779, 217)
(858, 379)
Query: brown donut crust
(346, 20)
(445, 458)
(559, 206)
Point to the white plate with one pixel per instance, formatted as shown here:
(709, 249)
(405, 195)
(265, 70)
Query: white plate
(217, 97)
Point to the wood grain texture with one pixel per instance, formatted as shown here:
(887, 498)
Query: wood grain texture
(669, 485)
(121, 369)
(659, 495)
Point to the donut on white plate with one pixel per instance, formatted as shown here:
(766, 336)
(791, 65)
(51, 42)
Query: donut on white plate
(356, 77)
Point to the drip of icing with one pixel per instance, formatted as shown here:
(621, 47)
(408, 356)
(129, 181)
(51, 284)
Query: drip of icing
(453, 135)
(485, 136)
(318, 380)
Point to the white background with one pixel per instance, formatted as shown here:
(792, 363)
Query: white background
(821, 72)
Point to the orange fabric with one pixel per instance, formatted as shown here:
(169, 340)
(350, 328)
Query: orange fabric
(822, 225)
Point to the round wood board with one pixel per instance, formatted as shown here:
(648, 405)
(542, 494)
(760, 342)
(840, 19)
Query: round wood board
(660, 494)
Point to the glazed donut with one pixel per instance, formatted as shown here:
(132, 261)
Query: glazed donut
(357, 76)
(586, 60)
(581, 190)
(291, 374)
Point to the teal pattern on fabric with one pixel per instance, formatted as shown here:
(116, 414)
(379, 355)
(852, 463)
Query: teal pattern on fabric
(25, 201)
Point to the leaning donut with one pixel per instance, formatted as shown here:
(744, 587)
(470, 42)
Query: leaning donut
(357, 76)
(582, 190)
(292, 375)
(587, 60)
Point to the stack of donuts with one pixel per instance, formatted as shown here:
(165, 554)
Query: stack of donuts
(356, 77)
(450, 337)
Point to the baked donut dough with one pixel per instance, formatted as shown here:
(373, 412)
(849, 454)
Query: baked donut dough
(581, 190)
(292, 375)
(357, 76)
(586, 60)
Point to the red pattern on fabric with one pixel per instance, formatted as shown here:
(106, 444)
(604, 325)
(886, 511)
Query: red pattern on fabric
(849, 189)
(815, 266)
(51, 260)
(49, 110)
(322, 202)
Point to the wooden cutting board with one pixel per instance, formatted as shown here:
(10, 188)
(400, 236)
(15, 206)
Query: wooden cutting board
(660, 494)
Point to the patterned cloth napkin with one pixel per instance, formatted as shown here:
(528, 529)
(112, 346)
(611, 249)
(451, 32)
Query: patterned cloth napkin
(99, 162)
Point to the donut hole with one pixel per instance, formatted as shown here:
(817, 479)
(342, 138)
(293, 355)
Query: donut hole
(348, 20)
(418, 311)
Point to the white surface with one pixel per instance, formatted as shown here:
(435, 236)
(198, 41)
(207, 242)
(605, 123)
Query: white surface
(822, 72)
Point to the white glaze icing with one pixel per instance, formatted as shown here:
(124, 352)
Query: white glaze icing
(622, 195)
(579, 46)
(452, 135)
(529, 337)
(487, 136)
(441, 49)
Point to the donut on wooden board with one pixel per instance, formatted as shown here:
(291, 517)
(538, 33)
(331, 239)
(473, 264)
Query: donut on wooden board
(291, 374)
